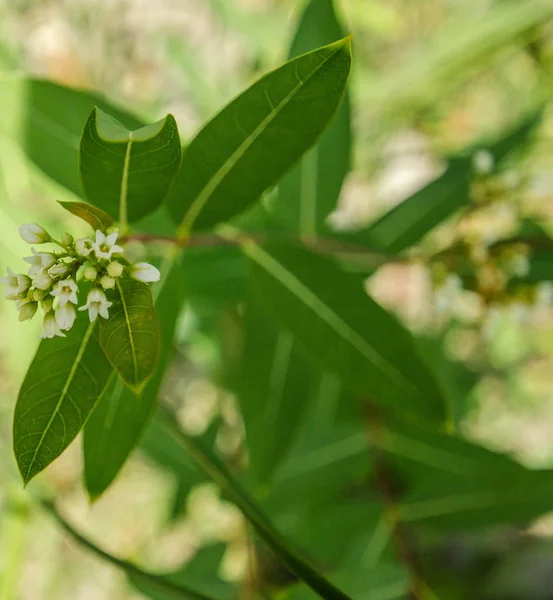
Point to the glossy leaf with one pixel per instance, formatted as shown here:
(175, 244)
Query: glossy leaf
(252, 142)
(95, 217)
(408, 222)
(453, 484)
(65, 380)
(128, 173)
(130, 337)
(47, 119)
(121, 416)
(309, 193)
(344, 330)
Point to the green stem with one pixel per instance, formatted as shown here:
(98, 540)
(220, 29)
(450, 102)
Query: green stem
(241, 497)
(159, 581)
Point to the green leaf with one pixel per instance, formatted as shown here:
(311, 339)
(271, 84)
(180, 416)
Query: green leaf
(120, 417)
(128, 173)
(274, 384)
(215, 468)
(46, 119)
(65, 380)
(95, 217)
(343, 329)
(408, 222)
(252, 142)
(309, 193)
(200, 573)
(453, 484)
(130, 337)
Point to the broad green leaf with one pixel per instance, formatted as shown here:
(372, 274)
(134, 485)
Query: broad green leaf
(128, 173)
(121, 416)
(453, 484)
(47, 119)
(344, 330)
(220, 474)
(201, 573)
(65, 380)
(95, 217)
(252, 142)
(274, 384)
(130, 337)
(408, 222)
(309, 193)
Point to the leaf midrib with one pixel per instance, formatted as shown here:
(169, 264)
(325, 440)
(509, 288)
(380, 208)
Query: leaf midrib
(129, 329)
(326, 313)
(64, 391)
(125, 185)
(201, 199)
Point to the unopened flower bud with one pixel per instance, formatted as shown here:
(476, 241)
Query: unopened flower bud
(34, 234)
(47, 304)
(42, 281)
(107, 282)
(90, 273)
(38, 295)
(144, 272)
(27, 311)
(115, 269)
(67, 239)
(60, 270)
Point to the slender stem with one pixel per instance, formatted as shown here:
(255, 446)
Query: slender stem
(162, 583)
(241, 497)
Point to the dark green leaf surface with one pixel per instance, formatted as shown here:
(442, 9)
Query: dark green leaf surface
(95, 217)
(199, 573)
(128, 173)
(65, 380)
(252, 142)
(120, 417)
(47, 120)
(309, 193)
(453, 484)
(408, 222)
(343, 329)
(274, 386)
(130, 337)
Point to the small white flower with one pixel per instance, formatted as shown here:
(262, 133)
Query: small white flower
(90, 273)
(115, 269)
(105, 245)
(60, 270)
(84, 246)
(34, 234)
(483, 162)
(42, 281)
(16, 285)
(65, 316)
(97, 304)
(40, 261)
(144, 272)
(107, 282)
(66, 290)
(50, 327)
(27, 311)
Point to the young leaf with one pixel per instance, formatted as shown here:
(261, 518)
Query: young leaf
(128, 173)
(346, 331)
(95, 217)
(130, 337)
(309, 193)
(252, 142)
(65, 380)
(46, 119)
(120, 417)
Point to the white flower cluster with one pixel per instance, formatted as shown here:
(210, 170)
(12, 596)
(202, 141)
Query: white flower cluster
(52, 278)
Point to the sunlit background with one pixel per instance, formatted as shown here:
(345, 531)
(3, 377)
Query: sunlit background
(430, 77)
